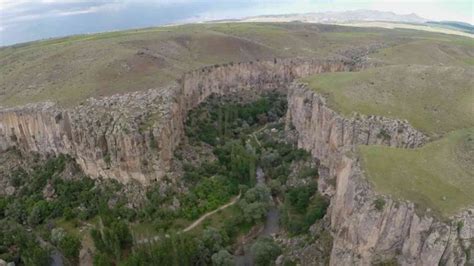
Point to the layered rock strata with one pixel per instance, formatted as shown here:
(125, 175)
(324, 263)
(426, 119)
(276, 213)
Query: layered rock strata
(133, 136)
(124, 137)
(364, 235)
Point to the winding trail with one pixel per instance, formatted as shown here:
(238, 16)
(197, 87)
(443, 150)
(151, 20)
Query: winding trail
(202, 218)
(195, 223)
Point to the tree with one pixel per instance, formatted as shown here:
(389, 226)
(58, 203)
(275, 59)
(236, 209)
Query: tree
(265, 251)
(255, 203)
(299, 197)
(222, 258)
(213, 239)
(211, 242)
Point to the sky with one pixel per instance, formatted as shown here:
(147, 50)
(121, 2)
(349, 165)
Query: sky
(27, 20)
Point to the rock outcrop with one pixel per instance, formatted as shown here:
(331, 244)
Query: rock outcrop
(363, 234)
(133, 136)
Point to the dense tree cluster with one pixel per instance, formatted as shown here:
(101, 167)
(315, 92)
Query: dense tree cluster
(28, 211)
(303, 207)
(265, 251)
(240, 136)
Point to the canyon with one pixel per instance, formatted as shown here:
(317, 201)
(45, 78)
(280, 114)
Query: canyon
(132, 137)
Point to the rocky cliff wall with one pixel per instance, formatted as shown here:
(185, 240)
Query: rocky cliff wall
(362, 234)
(125, 137)
(133, 136)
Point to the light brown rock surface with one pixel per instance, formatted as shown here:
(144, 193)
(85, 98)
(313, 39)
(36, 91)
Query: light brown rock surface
(134, 136)
(362, 234)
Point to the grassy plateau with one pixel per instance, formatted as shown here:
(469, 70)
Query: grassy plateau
(430, 83)
(439, 175)
(423, 77)
(72, 69)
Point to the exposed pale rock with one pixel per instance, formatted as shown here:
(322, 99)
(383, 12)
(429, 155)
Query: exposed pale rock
(362, 234)
(134, 135)
(49, 193)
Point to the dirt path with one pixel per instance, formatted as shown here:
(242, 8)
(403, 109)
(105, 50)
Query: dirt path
(202, 218)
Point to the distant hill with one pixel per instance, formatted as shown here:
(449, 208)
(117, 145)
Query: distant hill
(457, 25)
(340, 17)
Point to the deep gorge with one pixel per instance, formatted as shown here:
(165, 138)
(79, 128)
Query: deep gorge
(134, 137)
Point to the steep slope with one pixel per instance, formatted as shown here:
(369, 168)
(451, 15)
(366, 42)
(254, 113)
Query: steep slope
(368, 227)
(72, 69)
(133, 136)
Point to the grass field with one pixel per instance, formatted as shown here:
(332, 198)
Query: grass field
(69, 70)
(434, 99)
(430, 83)
(430, 51)
(439, 175)
(421, 27)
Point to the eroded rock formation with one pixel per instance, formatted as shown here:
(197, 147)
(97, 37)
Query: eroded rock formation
(133, 136)
(364, 235)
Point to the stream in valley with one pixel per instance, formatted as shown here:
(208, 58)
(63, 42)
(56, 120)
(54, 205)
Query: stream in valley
(270, 227)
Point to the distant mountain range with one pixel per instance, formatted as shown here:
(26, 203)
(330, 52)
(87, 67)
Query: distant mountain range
(341, 17)
(364, 16)
(462, 26)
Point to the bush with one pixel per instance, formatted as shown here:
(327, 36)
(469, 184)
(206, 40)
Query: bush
(379, 203)
(222, 258)
(308, 172)
(265, 251)
(299, 197)
(70, 247)
(316, 210)
(112, 240)
(39, 213)
(255, 203)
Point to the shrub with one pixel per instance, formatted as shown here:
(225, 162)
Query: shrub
(265, 251)
(379, 203)
(299, 197)
(70, 246)
(222, 258)
(316, 210)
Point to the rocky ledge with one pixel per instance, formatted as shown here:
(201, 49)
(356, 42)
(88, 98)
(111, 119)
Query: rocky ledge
(364, 234)
(133, 136)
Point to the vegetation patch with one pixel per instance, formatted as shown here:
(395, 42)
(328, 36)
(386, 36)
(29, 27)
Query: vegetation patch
(303, 207)
(438, 176)
(433, 99)
(71, 69)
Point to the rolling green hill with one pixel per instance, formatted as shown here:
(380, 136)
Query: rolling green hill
(69, 70)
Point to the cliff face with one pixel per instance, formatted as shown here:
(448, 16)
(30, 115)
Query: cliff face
(362, 234)
(133, 136)
(124, 137)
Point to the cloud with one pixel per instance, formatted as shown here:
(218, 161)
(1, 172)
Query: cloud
(15, 11)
